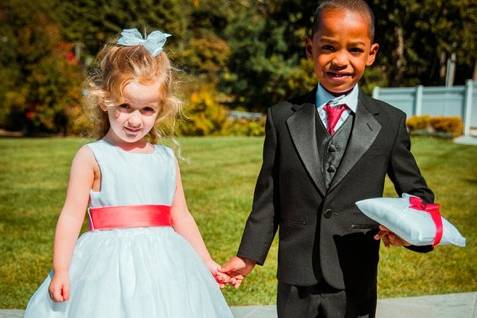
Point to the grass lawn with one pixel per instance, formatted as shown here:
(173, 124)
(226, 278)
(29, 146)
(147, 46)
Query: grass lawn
(219, 176)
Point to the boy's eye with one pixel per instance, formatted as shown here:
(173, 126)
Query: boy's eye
(148, 111)
(356, 50)
(327, 47)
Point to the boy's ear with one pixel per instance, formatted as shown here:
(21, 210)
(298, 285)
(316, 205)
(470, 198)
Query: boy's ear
(309, 47)
(373, 52)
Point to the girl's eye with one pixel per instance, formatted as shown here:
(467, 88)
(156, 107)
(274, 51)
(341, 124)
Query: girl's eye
(124, 108)
(148, 111)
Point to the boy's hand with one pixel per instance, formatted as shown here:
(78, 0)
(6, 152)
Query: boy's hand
(236, 281)
(389, 238)
(60, 287)
(237, 268)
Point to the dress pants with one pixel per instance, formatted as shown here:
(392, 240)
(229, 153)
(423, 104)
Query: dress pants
(320, 301)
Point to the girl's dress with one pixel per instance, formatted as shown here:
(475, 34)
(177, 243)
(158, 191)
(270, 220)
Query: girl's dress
(134, 272)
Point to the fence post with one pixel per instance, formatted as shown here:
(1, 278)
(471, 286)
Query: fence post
(418, 101)
(468, 106)
(376, 92)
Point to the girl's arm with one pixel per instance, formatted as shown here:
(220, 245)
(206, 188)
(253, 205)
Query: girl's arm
(70, 221)
(184, 224)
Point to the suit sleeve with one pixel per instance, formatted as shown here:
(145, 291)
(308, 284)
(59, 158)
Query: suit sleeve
(262, 222)
(405, 174)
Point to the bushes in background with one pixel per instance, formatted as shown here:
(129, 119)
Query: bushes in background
(441, 126)
(244, 127)
(204, 115)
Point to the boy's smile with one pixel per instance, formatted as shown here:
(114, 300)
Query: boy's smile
(341, 49)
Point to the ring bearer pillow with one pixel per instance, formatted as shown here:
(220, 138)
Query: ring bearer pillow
(412, 219)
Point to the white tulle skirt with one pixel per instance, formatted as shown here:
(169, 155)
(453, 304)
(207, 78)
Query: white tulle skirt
(140, 272)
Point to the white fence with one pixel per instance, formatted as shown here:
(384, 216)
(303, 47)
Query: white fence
(435, 101)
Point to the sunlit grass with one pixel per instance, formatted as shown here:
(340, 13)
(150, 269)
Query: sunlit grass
(219, 176)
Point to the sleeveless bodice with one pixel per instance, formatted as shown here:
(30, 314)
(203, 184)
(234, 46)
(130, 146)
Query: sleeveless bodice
(135, 270)
(131, 178)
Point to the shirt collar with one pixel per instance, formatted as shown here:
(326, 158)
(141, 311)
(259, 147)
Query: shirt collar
(323, 97)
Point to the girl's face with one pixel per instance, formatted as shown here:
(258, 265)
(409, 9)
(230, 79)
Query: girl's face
(132, 120)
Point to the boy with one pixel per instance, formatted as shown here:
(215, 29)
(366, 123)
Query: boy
(323, 152)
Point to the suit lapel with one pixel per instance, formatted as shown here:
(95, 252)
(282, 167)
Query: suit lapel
(365, 130)
(302, 128)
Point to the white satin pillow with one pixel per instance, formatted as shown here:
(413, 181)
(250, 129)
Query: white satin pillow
(413, 226)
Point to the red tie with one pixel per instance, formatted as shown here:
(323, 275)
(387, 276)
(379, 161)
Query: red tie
(333, 114)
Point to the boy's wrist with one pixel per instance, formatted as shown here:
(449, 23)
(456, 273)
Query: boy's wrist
(247, 260)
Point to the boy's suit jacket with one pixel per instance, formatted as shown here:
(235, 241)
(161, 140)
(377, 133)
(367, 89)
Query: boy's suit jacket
(322, 234)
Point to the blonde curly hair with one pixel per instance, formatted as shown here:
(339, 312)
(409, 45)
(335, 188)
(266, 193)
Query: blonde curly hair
(116, 66)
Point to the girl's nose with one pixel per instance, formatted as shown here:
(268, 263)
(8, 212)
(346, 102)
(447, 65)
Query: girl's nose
(134, 119)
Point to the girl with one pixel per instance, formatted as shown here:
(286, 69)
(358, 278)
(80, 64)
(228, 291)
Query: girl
(144, 255)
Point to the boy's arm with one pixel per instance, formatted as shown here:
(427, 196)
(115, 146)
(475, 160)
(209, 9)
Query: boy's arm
(262, 222)
(405, 174)
(403, 170)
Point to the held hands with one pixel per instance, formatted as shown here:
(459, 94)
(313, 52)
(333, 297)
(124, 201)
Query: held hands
(60, 286)
(389, 238)
(237, 268)
(221, 278)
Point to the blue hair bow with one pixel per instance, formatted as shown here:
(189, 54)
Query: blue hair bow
(154, 42)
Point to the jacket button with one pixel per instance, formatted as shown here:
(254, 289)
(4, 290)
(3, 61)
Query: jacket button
(331, 169)
(328, 213)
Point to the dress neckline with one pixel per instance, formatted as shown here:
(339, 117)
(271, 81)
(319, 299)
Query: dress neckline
(118, 148)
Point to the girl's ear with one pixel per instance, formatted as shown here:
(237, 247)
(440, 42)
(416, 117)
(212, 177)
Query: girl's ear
(103, 107)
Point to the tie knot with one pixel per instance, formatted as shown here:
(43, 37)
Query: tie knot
(333, 114)
(334, 108)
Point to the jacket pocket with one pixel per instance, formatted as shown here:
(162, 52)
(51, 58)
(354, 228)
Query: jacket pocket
(296, 222)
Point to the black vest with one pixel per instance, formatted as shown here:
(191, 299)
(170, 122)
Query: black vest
(332, 148)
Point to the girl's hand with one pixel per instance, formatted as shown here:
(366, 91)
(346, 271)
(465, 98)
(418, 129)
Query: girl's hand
(389, 238)
(60, 286)
(221, 278)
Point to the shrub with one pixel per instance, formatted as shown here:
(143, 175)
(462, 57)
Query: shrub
(244, 127)
(418, 122)
(203, 114)
(448, 124)
(441, 126)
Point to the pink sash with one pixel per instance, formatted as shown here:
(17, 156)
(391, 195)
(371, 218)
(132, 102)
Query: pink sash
(113, 217)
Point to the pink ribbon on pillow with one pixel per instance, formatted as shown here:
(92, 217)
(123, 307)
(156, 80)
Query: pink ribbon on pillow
(434, 210)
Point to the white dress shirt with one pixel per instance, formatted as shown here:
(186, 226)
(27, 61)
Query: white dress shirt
(324, 97)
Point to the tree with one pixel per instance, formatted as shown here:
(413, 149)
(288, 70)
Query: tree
(43, 78)
(416, 38)
(268, 60)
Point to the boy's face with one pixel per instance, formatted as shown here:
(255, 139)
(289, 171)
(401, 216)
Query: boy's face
(341, 49)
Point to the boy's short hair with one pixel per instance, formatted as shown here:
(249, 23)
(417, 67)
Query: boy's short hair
(358, 6)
